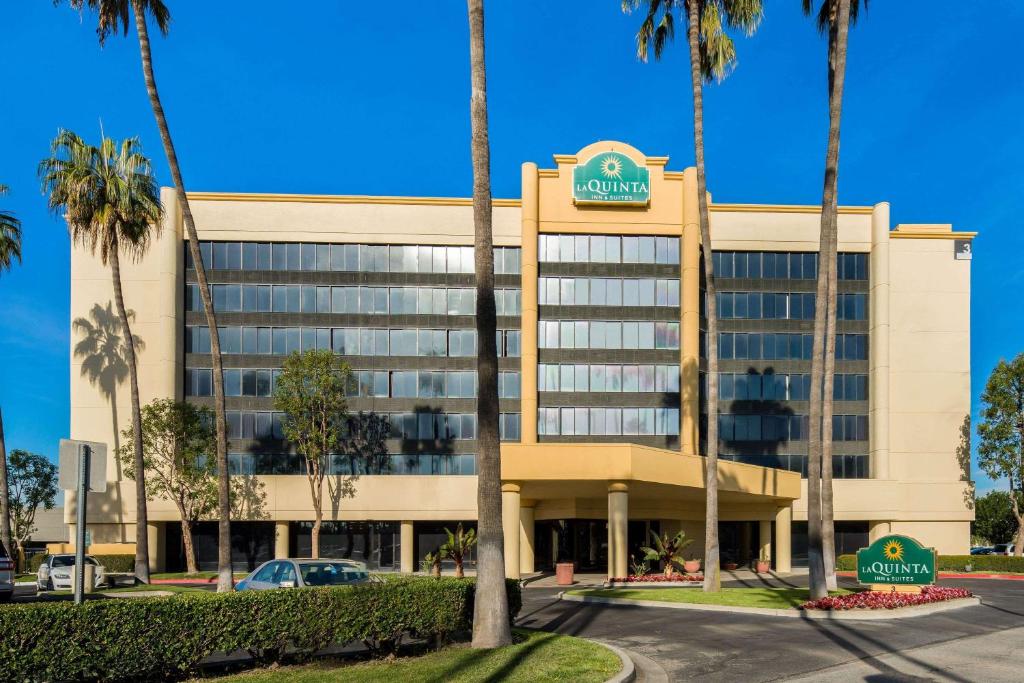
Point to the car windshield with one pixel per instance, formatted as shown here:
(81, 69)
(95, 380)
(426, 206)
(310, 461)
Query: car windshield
(330, 573)
(69, 561)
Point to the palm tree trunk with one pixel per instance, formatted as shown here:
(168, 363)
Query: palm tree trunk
(712, 573)
(828, 530)
(491, 622)
(141, 514)
(826, 260)
(5, 492)
(224, 579)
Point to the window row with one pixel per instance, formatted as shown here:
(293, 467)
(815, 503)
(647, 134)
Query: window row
(232, 298)
(787, 427)
(363, 383)
(596, 291)
(607, 249)
(843, 466)
(785, 265)
(751, 386)
(608, 378)
(348, 341)
(785, 346)
(265, 424)
(786, 306)
(603, 334)
(391, 464)
(367, 258)
(608, 421)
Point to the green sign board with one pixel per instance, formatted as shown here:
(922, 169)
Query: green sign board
(896, 560)
(611, 178)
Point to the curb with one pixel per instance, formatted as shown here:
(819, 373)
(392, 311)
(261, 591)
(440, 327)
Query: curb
(962, 575)
(628, 672)
(835, 615)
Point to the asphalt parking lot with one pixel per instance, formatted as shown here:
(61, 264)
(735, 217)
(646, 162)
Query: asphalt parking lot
(971, 644)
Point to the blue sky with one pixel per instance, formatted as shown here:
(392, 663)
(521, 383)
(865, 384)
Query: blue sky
(343, 98)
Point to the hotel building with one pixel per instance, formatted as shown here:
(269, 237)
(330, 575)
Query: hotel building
(600, 317)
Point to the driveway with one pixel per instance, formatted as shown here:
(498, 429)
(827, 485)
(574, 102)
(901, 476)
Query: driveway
(974, 643)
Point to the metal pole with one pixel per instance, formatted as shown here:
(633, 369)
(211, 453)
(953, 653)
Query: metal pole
(83, 477)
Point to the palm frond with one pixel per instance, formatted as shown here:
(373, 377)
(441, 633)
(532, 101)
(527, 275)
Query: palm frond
(10, 237)
(116, 15)
(718, 53)
(828, 10)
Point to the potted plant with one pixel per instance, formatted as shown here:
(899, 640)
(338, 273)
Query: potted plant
(763, 565)
(691, 566)
(728, 563)
(564, 573)
(432, 563)
(457, 547)
(667, 550)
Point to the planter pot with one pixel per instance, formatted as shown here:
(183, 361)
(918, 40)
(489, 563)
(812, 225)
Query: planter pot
(729, 566)
(564, 573)
(762, 566)
(691, 566)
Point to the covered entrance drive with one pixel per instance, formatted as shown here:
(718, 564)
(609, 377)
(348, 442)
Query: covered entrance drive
(594, 503)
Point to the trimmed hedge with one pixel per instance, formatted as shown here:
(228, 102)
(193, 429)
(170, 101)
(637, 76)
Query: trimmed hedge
(955, 563)
(160, 638)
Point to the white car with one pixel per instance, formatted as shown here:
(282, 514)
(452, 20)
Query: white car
(57, 572)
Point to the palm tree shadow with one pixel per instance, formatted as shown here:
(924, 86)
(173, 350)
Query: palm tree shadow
(104, 359)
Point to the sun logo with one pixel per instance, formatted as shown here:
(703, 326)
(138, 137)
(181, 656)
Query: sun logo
(611, 167)
(893, 550)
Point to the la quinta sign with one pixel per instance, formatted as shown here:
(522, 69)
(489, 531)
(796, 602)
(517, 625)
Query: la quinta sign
(611, 178)
(896, 560)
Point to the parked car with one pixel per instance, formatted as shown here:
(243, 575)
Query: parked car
(304, 572)
(1002, 549)
(57, 572)
(981, 550)
(6, 575)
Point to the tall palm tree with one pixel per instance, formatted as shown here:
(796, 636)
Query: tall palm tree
(833, 18)
(491, 623)
(114, 15)
(712, 58)
(111, 202)
(10, 251)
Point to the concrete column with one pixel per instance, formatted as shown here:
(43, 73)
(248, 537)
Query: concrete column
(526, 519)
(878, 344)
(783, 538)
(618, 529)
(765, 536)
(689, 310)
(528, 337)
(510, 512)
(407, 547)
(282, 547)
(156, 534)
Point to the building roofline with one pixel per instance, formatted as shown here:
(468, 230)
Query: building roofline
(340, 199)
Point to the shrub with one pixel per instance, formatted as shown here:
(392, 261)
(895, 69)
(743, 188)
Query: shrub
(660, 578)
(159, 638)
(117, 563)
(35, 562)
(954, 563)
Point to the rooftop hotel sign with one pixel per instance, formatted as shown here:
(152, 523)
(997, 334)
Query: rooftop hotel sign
(896, 560)
(611, 178)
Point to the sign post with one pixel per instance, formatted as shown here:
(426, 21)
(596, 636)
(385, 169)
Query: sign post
(896, 563)
(83, 467)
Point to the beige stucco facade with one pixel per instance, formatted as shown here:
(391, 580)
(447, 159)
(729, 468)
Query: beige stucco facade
(919, 298)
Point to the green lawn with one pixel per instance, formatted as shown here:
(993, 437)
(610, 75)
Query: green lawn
(775, 598)
(536, 657)
(209, 576)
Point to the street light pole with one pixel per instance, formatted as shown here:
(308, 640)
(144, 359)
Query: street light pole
(83, 492)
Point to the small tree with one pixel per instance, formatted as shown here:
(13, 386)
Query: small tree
(1001, 451)
(668, 551)
(458, 546)
(178, 447)
(994, 521)
(311, 393)
(32, 483)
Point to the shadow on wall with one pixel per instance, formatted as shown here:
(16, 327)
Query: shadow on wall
(762, 446)
(963, 458)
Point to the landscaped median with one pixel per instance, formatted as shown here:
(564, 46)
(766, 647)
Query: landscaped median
(172, 637)
(785, 602)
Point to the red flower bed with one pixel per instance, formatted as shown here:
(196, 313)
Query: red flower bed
(660, 578)
(888, 600)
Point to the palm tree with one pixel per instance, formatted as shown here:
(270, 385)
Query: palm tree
(459, 544)
(834, 18)
(111, 202)
(10, 251)
(115, 14)
(668, 550)
(491, 622)
(712, 57)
